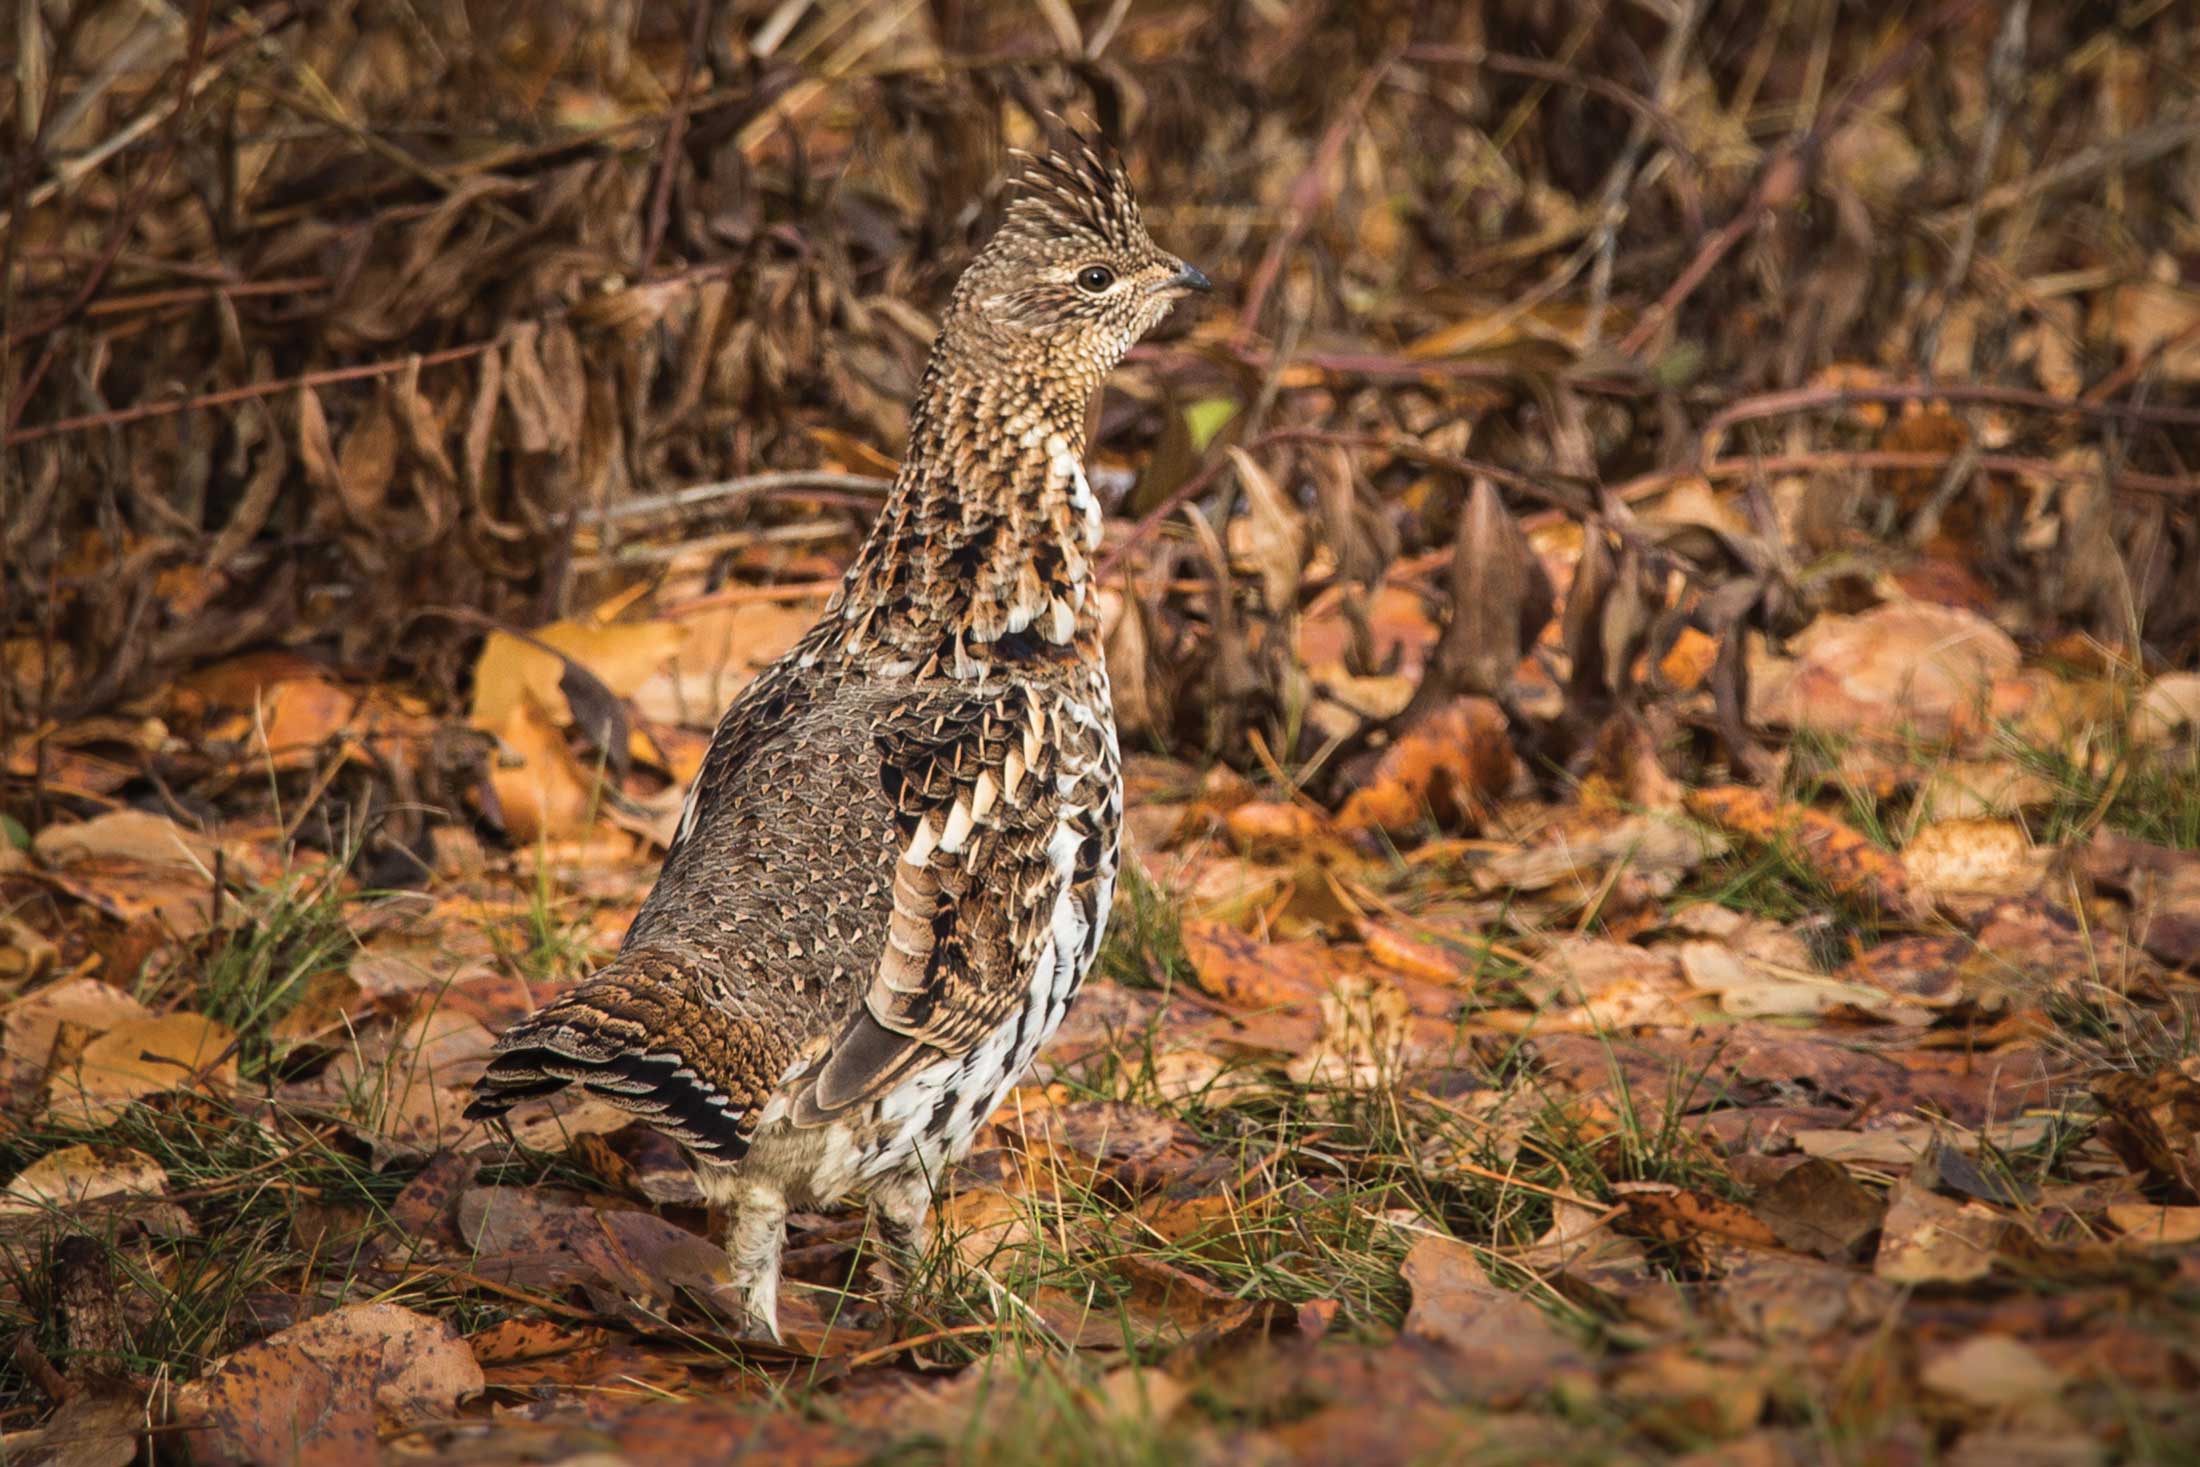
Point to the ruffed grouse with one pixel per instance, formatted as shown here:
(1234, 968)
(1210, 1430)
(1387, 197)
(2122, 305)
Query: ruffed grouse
(893, 870)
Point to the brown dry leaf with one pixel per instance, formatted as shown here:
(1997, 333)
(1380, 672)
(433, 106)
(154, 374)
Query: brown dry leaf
(1272, 535)
(1968, 789)
(1652, 851)
(72, 1176)
(1089, 1139)
(623, 655)
(2168, 710)
(1449, 766)
(1931, 1239)
(1926, 972)
(535, 1238)
(1816, 1207)
(134, 866)
(1840, 856)
(323, 1391)
(542, 790)
(981, 1224)
(405, 1090)
(1245, 972)
(1991, 1372)
(1964, 864)
(1911, 669)
(127, 835)
(1610, 985)
(725, 647)
(1752, 988)
(295, 718)
(2153, 1123)
(2164, 886)
(2148, 315)
(1781, 1297)
(1275, 826)
(25, 954)
(1675, 1393)
(98, 1427)
(138, 1058)
(1505, 1345)
(1137, 1395)
(1166, 1306)
(1675, 1214)
(37, 1026)
(2144, 1225)
(1399, 953)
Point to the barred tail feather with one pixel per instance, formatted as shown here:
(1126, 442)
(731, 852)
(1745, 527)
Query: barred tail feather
(643, 1036)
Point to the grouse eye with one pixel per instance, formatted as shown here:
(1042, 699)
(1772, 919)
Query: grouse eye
(1094, 279)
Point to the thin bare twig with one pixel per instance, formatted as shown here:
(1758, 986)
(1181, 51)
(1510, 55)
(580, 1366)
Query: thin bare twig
(1810, 399)
(126, 218)
(748, 486)
(1306, 197)
(1781, 180)
(660, 193)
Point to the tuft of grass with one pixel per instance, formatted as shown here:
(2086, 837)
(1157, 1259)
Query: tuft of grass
(291, 933)
(1144, 945)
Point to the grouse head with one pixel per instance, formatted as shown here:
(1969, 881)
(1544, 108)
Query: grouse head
(1071, 279)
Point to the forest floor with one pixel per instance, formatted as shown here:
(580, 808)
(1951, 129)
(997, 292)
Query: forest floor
(1651, 620)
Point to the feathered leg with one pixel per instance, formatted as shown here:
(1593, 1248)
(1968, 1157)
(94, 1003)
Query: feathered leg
(756, 1233)
(899, 1205)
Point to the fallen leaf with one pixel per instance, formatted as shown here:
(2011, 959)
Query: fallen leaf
(1447, 767)
(72, 1176)
(1816, 1207)
(324, 1390)
(510, 673)
(1244, 972)
(1961, 864)
(1610, 985)
(1504, 1345)
(1904, 670)
(37, 1022)
(126, 835)
(543, 792)
(1843, 858)
(99, 1427)
(1656, 851)
(142, 1057)
(1929, 1239)
(1751, 988)
(2168, 710)
(2144, 1225)
(1673, 1393)
(1362, 1042)
(134, 866)
(1673, 1214)
(1992, 1372)
(2154, 1123)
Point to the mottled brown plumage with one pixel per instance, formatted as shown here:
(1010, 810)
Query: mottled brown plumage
(896, 863)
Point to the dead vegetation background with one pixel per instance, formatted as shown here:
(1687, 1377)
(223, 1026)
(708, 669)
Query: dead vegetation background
(1656, 609)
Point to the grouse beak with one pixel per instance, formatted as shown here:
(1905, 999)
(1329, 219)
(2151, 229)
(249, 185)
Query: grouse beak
(1187, 278)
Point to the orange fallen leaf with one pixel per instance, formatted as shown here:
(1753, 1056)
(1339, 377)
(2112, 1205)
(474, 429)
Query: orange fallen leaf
(1836, 853)
(1408, 955)
(142, 1057)
(1449, 766)
(1265, 823)
(542, 792)
(1676, 1214)
(1245, 972)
